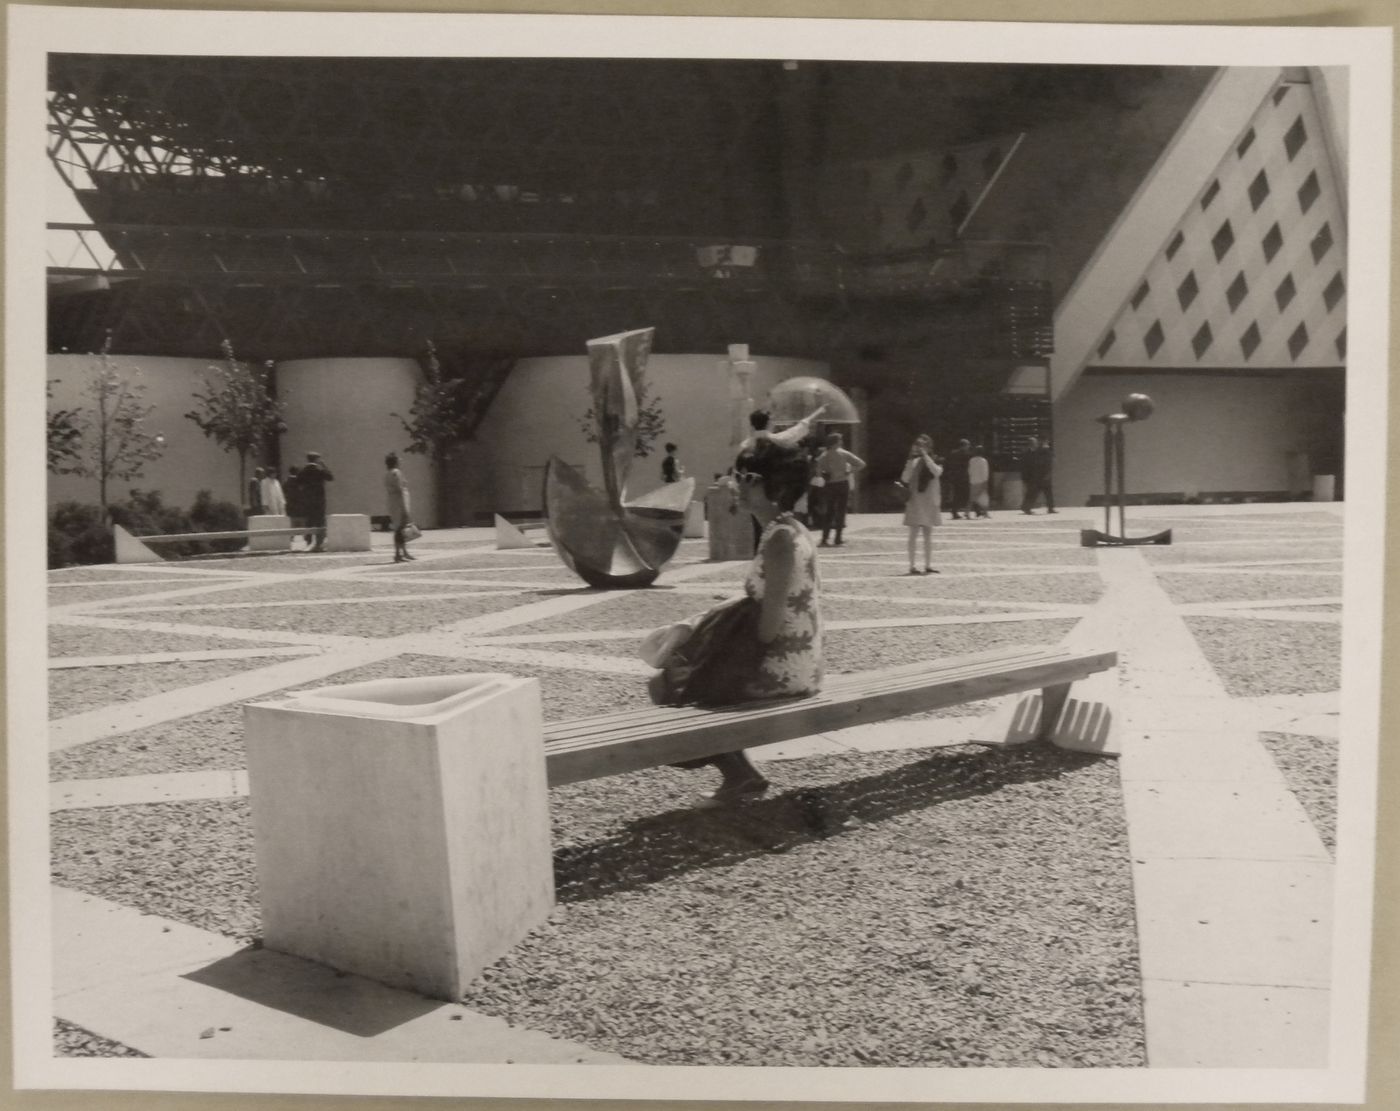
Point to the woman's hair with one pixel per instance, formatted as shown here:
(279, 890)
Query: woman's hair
(783, 469)
(670, 447)
(758, 420)
(391, 460)
(924, 437)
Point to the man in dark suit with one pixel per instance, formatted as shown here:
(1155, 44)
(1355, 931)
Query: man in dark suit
(955, 474)
(312, 481)
(1037, 466)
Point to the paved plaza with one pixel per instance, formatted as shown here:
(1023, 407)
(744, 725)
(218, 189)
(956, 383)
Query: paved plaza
(1188, 875)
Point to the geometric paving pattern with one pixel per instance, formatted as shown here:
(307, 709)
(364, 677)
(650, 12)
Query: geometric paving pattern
(173, 653)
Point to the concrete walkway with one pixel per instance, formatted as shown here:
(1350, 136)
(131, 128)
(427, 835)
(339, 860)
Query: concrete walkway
(1233, 886)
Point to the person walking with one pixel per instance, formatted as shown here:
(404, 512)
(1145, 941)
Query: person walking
(671, 468)
(955, 471)
(314, 477)
(400, 516)
(979, 483)
(922, 511)
(836, 466)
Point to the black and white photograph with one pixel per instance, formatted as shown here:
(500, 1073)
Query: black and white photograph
(434, 407)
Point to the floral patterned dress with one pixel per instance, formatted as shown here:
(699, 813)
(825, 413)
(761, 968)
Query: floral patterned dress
(790, 663)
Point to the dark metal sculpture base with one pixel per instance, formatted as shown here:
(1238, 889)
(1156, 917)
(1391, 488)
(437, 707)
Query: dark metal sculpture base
(1093, 538)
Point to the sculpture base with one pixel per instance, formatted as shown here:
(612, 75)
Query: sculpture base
(1092, 538)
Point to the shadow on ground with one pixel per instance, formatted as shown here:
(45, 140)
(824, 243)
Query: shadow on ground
(661, 846)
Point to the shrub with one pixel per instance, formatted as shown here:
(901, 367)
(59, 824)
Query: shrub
(209, 515)
(144, 514)
(78, 534)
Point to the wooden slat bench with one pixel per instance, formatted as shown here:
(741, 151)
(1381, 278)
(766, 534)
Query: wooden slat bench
(610, 744)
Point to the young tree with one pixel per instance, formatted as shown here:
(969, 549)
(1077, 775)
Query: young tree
(651, 421)
(237, 410)
(65, 436)
(110, 442)
(439, 415)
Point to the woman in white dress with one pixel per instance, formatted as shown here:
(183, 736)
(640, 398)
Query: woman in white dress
(921, 511)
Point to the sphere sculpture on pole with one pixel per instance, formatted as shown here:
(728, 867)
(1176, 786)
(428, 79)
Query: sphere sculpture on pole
(1135, 407)
(600, 535)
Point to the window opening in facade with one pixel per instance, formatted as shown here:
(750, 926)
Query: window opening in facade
(1175, 245)
(1222, 240)
(1322, 242)
(1298, 340)
(1187, 290)
(1309, 191)
(1153, 339)
(1249, 342)
(1336, 288)
(1237, 291)
(1294, 139)
(1245, 143)
(1107, 343)
(1140, 295)
(1201, 341)
(1258, 190)
(1285, 291)
(1210, 195)
(1272, 242)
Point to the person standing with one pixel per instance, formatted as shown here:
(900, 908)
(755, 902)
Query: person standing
(296, 502)
(836, 466)
(955, 470)
(922, 511)
(314, 477)
(1035, 474)
(1047, 475)
(979, 482)
(254, 493)
(274, 502)
(396, 490)
(671, 468)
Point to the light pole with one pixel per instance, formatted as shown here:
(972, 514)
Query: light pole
(1136, 407)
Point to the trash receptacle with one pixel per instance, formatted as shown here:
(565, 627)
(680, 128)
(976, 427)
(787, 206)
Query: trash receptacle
(401, 826)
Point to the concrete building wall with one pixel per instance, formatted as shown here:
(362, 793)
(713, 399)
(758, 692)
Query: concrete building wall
(539, 410)
(191, 461)
(1206, 434)
(342, 408)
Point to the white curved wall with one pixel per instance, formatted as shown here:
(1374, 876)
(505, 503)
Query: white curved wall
(538, 413)
(191, 462)
(341, 408)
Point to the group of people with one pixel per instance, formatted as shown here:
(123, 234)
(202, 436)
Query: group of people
(301, 498)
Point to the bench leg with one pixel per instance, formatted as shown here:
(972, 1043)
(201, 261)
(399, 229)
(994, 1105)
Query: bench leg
(1052, 701)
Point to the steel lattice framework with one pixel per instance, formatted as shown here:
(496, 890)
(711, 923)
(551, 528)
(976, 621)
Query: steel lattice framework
(502, 208)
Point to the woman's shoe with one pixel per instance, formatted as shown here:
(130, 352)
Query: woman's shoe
(731, 793)
(930, 571)
(398, 559)
(915, 571)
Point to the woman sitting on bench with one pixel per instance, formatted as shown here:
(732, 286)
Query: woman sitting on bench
(766, 643)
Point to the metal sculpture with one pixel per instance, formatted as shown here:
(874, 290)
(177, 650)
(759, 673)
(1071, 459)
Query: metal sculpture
(1136, 407)
(606, 540)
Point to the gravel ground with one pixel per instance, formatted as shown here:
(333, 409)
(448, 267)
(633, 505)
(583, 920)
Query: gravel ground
(1073, 588)
(836, 608)
(1242, 586)
(1005, 935)
(1256, 658)
(72, 690)
(308, 590)
(305, 563)
(367, 619)
(632, 609)
(72, 640)
(125, 572)
(864, 649)
(86, 595)
(1309, 765)
(74, 1041)
(1244, 552)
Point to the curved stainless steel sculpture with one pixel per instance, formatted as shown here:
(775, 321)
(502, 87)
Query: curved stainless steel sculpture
(607, 541)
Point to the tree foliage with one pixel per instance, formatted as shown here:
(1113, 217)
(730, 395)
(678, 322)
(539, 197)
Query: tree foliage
(111, 440)
(237, 410)
(65, 437)
(439, 416)
(651, 421)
